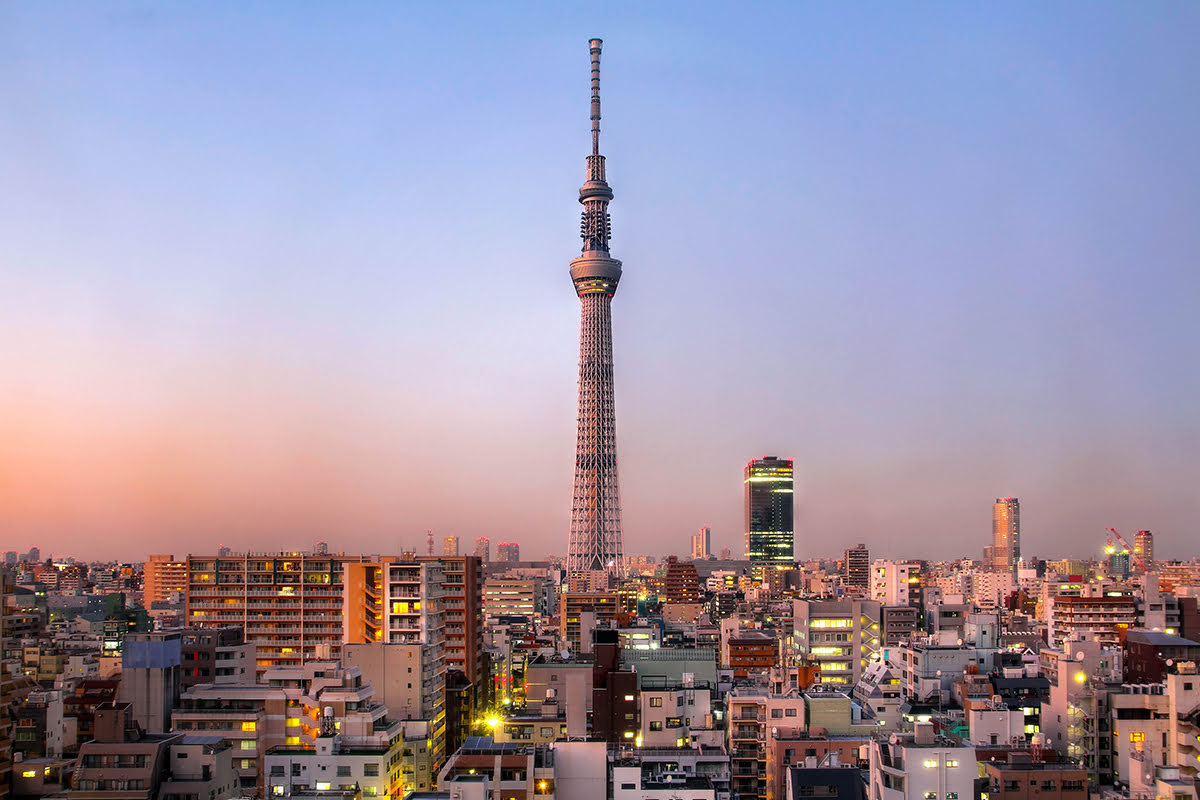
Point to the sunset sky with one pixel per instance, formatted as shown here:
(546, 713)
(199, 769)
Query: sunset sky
(272, 273)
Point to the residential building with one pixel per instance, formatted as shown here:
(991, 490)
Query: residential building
(920, 765)
(1143, 549)
(895, 583)
(216, 655)
(162, 577)
(1022, 778)
(121, 762)
(581, 613)
(856, 567)
(289, 604)
(1106, 617)
(681, 582)
(508, 551)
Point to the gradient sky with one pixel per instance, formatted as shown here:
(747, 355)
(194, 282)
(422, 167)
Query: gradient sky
(272, 273)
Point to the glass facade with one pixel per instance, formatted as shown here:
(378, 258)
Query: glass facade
(769, 535)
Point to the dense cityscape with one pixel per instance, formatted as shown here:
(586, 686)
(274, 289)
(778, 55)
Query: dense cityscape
(472, 669)
(464, 668)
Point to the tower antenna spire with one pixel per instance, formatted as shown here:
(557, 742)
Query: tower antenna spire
(595, 551)
(595, 45)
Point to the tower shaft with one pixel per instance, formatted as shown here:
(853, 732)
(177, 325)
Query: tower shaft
(595, 544)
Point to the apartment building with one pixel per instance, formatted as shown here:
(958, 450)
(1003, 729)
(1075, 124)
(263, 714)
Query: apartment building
(581, 613)
(1021, 778)
(163, 576)
(921, 766)
(755, 718)
(287, 709)
(289, 604)
(1105, 617)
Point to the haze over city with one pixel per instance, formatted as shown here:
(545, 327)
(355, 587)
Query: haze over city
(266, 280)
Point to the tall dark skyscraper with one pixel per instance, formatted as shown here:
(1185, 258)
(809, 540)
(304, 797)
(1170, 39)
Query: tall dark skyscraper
(769, 504)
(595, 544)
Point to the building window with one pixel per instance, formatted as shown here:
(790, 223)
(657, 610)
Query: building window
(656, 702)
(371, 770)
(931, 796)
(343, 771)
(789, 712)
(1137, 736)
(776, 713)
(656, 726)
(951, 762)
(951, 795)
(930, 763)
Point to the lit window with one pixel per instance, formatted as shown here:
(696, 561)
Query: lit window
(629, 698)
(930, 763)
(951, 762)
(29, 773)
(930, 795)
(249, 726)
(1137, 736)
(249, 744)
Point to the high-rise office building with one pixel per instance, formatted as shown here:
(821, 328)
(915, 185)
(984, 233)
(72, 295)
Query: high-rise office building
(450, 546)
(769, 504)
(856, 569)
(595, 543)
(702, 543)
(1143, 549)
(1006, 534)
(508, 551)
(483, 549)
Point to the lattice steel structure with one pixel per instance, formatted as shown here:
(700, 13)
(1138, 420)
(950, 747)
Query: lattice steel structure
(595, 544)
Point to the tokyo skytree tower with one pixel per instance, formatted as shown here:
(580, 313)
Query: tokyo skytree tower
(595, 544)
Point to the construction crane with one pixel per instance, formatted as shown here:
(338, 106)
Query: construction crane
(1138, 560)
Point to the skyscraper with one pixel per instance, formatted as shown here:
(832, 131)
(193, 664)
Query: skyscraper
(1006, 534)
(450, 546)
(595, 543)
(769, 534)
(702, 543)
(483, 549)
(508, 551)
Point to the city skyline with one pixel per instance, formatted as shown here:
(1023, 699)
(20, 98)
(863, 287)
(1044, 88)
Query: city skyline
(244, 298)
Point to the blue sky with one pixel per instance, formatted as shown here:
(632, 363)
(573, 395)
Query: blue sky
(278, 272)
